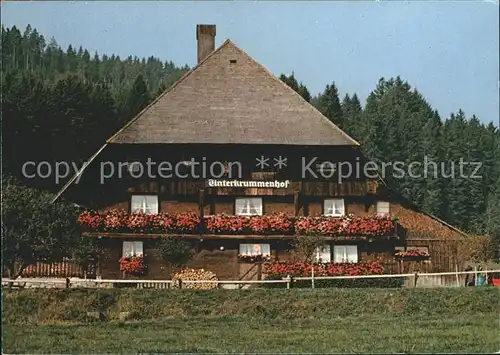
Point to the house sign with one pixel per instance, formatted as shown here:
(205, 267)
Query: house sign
(239, 183)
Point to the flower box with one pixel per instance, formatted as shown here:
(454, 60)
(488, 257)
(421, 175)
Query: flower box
(411, 255)
(253, 258)
(259, 225)
(132, 265)
(346, 227)
(298, 269)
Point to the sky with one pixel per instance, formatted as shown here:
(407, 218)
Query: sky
(448, 50)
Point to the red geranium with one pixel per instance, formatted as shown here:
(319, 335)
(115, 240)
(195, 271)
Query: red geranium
(411, 252)
(132, 264)
(347, 226)
(326, 269)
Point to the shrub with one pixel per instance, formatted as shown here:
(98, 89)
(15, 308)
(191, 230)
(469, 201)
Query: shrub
(174, 250)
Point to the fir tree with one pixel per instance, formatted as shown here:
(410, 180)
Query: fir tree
(138, 97)
(329, 105)
(352, 114)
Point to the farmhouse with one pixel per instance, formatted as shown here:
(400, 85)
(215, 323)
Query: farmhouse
(233, 160)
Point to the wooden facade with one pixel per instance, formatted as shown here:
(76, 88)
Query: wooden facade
(218, 123)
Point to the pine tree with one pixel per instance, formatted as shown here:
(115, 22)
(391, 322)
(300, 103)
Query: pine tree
(329, 105)
(456, 187)
(432, 148)
(138, 97)
(299, 88)
(352, 114)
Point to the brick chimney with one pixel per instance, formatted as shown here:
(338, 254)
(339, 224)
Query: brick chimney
(205, 34)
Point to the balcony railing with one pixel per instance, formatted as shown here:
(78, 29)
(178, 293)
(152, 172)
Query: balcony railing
(346, 227)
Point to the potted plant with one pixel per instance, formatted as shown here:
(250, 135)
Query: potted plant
(132, 265)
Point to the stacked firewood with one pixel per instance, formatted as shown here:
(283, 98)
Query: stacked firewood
(196, 275)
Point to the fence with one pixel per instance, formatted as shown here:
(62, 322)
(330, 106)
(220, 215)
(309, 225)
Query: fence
(454, 279)
(59, 269)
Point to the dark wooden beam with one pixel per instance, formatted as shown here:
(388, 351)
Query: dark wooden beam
(296, 202)
(226, 236)
(201, 202)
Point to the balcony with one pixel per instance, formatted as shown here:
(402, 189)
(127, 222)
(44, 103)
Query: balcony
(277, 226)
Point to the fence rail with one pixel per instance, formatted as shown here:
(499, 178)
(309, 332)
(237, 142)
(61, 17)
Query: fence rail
(65, 268)
(77, 282)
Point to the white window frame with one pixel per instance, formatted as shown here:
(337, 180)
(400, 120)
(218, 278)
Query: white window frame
(347, 255)
(323, 254)
(326, 207)
(383, 208)
(144, 203)
(258, 203)
(248, 248)
(136, 247)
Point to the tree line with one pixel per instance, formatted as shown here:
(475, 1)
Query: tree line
(61, 105)
(397, 124)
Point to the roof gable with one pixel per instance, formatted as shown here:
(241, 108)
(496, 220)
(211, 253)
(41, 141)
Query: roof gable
(229, 98)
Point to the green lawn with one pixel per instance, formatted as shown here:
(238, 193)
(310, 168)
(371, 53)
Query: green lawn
(451, 320)
(375, 333)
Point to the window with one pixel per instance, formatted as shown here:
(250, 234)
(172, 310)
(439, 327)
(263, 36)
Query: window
(345, 253)
(249, 206)
(382, 208)
(323, 254)
(132, 248)
(255, 249)
(334, 207)
(144, 203)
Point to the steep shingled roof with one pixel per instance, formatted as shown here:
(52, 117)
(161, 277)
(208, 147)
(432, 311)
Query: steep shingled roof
(229, 98)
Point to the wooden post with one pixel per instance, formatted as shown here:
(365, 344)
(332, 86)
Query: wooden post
(415, 280)
(259, 272)
(312, 279)
(201, 206)
(296, 202)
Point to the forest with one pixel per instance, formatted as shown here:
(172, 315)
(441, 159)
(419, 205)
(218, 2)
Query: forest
(62, 104)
